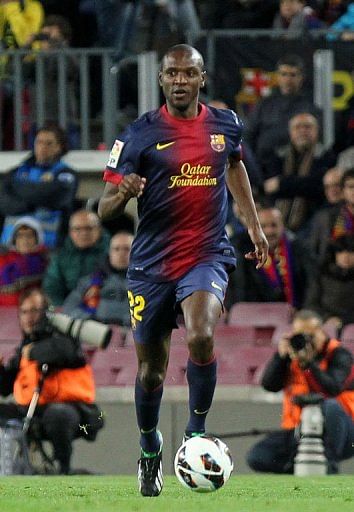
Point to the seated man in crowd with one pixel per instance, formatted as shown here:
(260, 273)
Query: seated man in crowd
(103, 294)
(330, 292)
(85, 246)
(265, 127)
(334, 222)
(296, 172)
(43, 187)
(286, 273)
(321, 366)
(23, 263)
(67, 397)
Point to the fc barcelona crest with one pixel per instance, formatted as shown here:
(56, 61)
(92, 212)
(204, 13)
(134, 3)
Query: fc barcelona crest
(217, 142)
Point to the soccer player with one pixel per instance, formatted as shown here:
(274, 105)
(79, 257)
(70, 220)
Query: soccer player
(176, 160)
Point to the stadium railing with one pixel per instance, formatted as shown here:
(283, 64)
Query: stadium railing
(101, 79)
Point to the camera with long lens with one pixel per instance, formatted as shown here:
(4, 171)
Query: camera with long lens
(299, 341)
(88, 332)
(41, 37)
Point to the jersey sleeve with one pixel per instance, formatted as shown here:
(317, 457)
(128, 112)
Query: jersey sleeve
(123, 158)
(236, 129)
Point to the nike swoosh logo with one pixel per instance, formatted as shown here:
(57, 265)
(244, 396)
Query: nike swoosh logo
(200, 412)
(159, 146)
(214, 285)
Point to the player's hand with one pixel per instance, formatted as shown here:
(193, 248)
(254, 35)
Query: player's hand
(132, 185)
(261, 247)
(284, 347)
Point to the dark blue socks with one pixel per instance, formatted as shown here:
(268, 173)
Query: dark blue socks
(147, 404)
(202, 381)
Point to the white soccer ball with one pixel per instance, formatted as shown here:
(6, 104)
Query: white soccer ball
(203, 464)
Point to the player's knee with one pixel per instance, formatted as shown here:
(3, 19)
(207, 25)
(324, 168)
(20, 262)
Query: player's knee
(200, 344)
(150, 379)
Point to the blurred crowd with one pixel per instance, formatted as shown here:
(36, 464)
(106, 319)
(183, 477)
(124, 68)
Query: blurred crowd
(304, 191)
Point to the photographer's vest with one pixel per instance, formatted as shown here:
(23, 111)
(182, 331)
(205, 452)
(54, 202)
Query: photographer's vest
(66, 385)
(302, 382)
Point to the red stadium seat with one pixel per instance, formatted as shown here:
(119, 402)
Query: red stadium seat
(7, 350)
(115, 366)
(9, 327)
(263, 316)
(242, 365)
(232, 335)
(177, 366)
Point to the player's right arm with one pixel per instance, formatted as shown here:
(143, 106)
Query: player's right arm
(115, 197)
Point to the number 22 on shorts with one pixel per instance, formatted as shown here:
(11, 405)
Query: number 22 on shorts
(137, 305)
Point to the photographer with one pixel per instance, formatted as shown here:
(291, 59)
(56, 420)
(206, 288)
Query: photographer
(66, 408)
(306, 362)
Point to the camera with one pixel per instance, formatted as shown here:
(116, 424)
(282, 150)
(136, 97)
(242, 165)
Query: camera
(88, 332)
(41, 37)
(299, 341)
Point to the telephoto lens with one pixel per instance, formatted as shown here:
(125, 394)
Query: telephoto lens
(89, 332)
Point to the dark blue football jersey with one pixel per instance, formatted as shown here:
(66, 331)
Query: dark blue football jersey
(182, 211)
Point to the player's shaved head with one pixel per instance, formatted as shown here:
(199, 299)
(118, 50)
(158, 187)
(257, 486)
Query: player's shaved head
(186, 49)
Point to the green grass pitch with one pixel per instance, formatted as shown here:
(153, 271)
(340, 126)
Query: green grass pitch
(242, 493)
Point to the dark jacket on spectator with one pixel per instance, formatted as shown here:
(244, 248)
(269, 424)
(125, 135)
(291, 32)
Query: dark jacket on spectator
(32, 187)
(331, 293)
(102, 296)
(69, 264)
(250, 285)
(300, 192)
(267, 126)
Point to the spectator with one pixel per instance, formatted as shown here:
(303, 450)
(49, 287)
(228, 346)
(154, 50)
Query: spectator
(69, 380)
(330, 10)
(346, 157)
(265, 128)
(82, 250)
(334, 222)
(286, 273)
(344, 25)
(331, 291)
(332, 186)
(239, 14)
(18, 21)
(296, 18)
(321, 366)
(43, 187)
(22, 265)
(54, 36)
(103, 294)
(298, 170)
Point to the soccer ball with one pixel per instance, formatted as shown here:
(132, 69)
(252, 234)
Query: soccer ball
(203, 464)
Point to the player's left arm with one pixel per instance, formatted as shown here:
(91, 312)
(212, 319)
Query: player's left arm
(240, 188)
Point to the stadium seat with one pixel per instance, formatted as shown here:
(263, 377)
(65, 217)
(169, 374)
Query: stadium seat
(9, 327)
(243, 365)
(115, 366)
(232, 335)
(7, 350)
(263, 316)
(347, 337)
(177, 366)
(126, 368)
